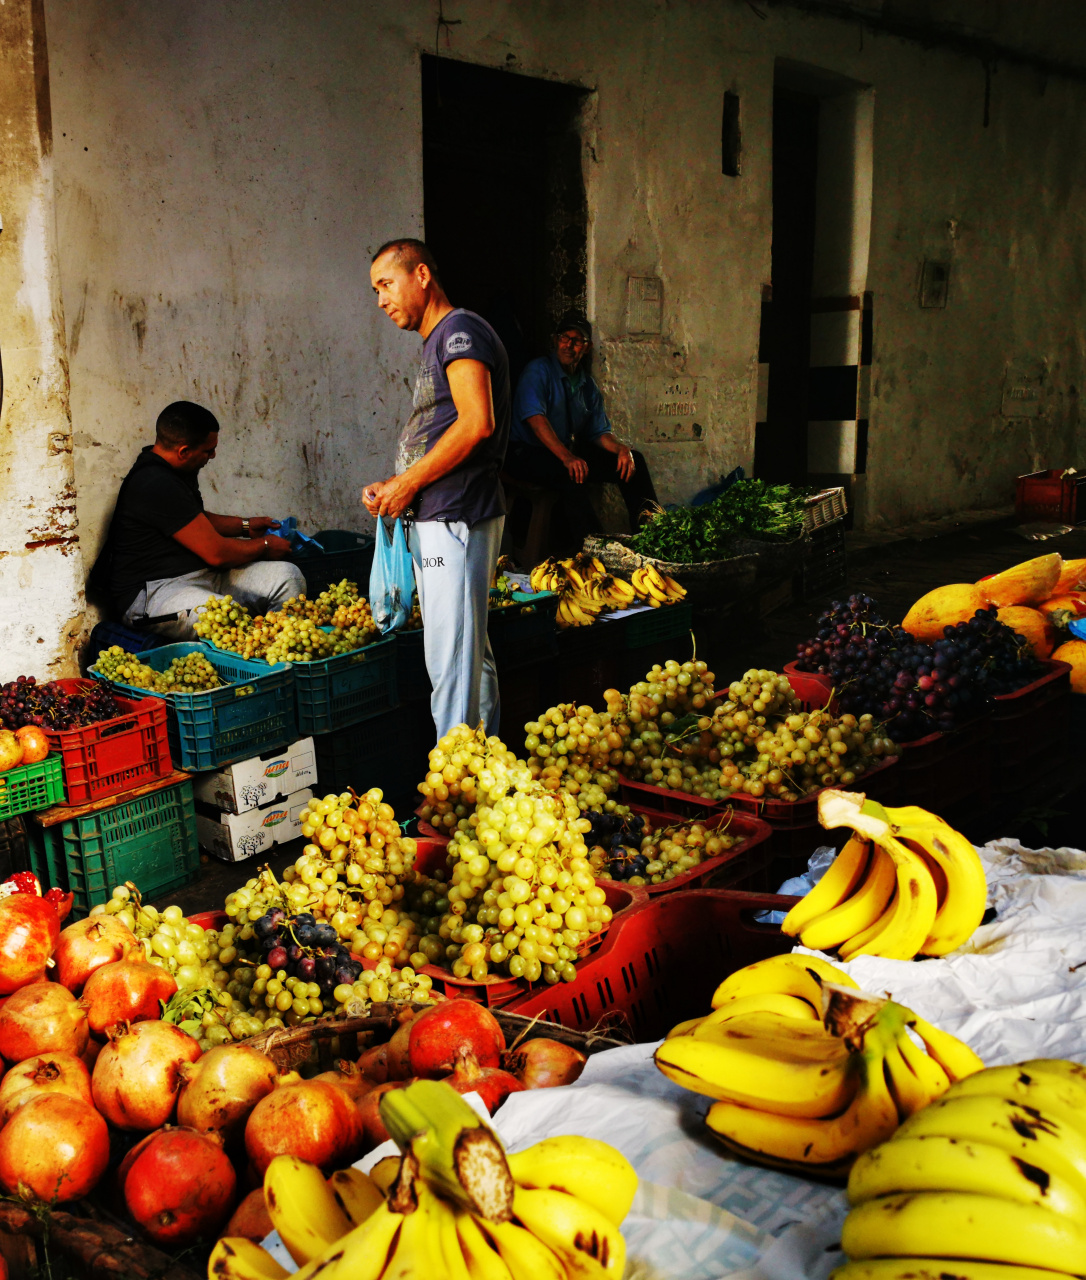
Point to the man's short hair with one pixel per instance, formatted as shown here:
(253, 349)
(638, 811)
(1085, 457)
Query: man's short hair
(184, 423)
(409, 253)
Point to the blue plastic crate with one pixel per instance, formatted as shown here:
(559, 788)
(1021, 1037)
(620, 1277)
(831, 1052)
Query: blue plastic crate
(253, 713)
(333, 693)
(412, 681)
(389, 751)
(519, 639)
(150, 840)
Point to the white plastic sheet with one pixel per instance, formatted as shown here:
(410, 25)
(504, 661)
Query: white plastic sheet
(1015, 991)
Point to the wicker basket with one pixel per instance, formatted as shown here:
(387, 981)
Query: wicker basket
(709, 580)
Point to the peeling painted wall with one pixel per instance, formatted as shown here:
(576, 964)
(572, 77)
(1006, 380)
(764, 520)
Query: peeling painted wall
(41, 575)
(225, 169)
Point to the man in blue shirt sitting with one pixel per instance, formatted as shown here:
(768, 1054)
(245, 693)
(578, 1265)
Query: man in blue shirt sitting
(560, 435)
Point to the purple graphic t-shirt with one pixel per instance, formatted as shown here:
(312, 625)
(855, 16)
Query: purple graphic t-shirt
(472, 492)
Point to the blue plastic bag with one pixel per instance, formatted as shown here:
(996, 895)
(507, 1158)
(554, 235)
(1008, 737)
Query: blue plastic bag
(288, 529)
(392, 578)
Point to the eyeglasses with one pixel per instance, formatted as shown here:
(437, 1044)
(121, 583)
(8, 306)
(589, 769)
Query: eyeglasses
(572, 340)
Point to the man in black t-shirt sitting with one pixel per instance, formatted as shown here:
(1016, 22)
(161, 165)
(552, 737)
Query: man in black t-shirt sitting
(165, 555)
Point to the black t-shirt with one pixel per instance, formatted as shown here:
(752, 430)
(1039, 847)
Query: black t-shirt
(472, 492)
(154, 502)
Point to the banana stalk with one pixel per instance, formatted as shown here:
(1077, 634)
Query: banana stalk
(457, 1155)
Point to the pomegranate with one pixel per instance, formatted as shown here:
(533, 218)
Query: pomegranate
(138, 1074)
(313, 1120)
(48, 1073)
(374, 1063)
(348, 1077)
(369, 1111)
(492, 1084)
(29, 929)
(87, 945)
(442, 1031)
(34, 743)
(43, 1017)
(178, 1185)
(220, 1089)
(126, 990)
(56, 1145)
(543, 1063)
(398, 1055)
(251, 1219)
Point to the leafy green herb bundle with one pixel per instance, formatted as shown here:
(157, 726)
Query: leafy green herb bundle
(749, 509)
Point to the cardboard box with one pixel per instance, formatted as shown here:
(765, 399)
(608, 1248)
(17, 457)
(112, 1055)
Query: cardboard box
(250, 783)
(237, 836)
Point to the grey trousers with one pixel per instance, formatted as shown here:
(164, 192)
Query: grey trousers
(259, 586)
(453, 568)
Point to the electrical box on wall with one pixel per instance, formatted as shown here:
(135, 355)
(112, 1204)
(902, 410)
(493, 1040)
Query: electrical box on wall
(671, 410)
(644, 304)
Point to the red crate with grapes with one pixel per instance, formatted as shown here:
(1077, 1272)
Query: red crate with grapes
(107, 744)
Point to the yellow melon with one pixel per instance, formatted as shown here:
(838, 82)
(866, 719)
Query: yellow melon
(1062, 609)
(1074, 652)
(943, 607)
(1032, 624)
(1072, 578)
(1026, 583)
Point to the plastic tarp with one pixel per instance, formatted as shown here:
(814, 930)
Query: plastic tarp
(1017, 990)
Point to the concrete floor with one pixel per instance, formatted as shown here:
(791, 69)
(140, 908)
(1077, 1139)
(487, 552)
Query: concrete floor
(895, 573)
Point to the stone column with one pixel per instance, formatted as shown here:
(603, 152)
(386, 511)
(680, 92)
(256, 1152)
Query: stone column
(41, 567)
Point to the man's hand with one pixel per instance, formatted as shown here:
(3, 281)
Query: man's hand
(261, 524)
(275, 548)
(624, 463)
(577, 468)
(389, 497)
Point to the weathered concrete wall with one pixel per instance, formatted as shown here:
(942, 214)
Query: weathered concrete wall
(225, 169)
(41, 582)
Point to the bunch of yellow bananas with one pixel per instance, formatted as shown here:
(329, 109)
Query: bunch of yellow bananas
(807, 1071)
(905, 884)
(453, 1207)
(989, 1183)
(586, 589)
(656, 588)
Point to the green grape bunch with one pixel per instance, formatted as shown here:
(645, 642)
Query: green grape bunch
(192, 673)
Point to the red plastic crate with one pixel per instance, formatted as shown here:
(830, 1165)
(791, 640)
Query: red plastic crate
(1031, 730)
(813, 690)
(1050, 495)
(678, 804)
(948, 772)
(499, 990)
(746, 866)
(879, 782)
(663, 961)
(116, 755)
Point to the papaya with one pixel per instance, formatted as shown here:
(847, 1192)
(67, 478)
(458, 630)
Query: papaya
(943, 607)
(1033, 625)
(1072, 578)
(1027, 583)
(1062, 609)
(1074, 652)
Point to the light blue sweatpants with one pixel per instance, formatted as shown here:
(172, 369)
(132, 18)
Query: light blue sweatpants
(454, 565)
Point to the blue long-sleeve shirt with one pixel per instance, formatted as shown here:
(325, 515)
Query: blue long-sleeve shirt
(573, 407)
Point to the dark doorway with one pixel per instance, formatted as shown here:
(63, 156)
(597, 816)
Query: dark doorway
(504, 198)
(781, 441)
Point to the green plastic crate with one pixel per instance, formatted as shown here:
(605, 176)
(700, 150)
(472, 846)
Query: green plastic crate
(669, 622)
(150, 840)
(32, 786)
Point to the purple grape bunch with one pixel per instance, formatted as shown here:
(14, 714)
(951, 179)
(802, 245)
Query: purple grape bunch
(23, 701)
(306, 948)
(915, 688)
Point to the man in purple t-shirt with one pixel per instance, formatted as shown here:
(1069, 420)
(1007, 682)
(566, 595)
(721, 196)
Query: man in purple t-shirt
(448, 462)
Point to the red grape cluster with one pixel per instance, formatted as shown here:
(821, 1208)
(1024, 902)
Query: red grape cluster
(24, 701)
(306, 949)
(915, 688)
